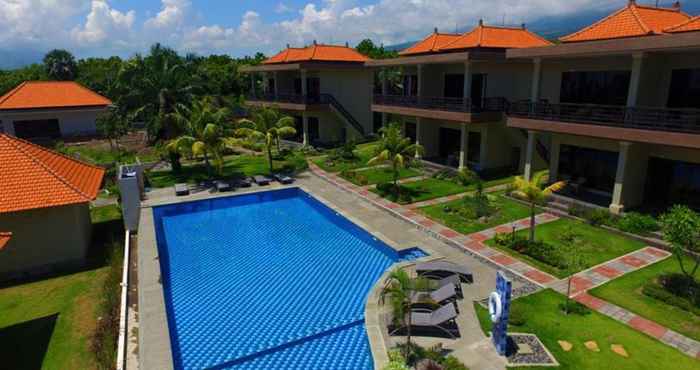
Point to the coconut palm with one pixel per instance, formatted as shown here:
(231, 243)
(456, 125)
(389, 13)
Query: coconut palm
(398, 289)
(204, 132)
(533, 192)
(267, 125)
(60, 65)
(395, 149)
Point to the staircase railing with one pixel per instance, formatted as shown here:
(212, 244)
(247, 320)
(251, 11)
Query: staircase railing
(340, 109)
(541, 148)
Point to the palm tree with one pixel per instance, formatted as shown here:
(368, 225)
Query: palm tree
(395, 149)
(533, 192)
(204, 131)
(399, 288)
(60, 65)
(267, 125)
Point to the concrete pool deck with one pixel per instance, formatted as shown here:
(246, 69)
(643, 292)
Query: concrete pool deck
(472, 348)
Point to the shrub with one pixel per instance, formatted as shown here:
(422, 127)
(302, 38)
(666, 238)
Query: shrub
(574, 308)
(538, 250)
(396, 361)
(637, 223)
(467, 177)
(346, 151)
(295, 162)
(598, 216)
(452, 363)
(502, 239)
(104, 342)
(658, 292)
(683, 286)
(517, 316)
(577, 210)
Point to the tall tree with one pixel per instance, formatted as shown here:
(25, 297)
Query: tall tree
(533, 192)
(60, 65)
(681, 227)
(266, 125)
(395, 149)
(113, 124)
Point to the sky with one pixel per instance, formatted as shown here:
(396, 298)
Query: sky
(243, 27)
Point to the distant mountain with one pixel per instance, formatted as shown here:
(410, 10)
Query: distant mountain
(19, 58)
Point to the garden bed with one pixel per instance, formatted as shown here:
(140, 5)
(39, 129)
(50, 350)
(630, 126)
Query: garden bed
(421, 190)
(507, 211)
(363, 153)
(377, 175)
(627, 292)
(596, 245)
(543, 317)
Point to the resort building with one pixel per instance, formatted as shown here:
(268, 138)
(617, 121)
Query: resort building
(42, 111)
(451, 92)
(325, 87)
(44, 208)
(619, 102)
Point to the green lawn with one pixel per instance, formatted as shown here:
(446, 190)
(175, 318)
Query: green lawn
(543, 318)
(598, 245)
(50, 323)
(234, 166)
(105, 213)
(363, 152)
(626, 291)
(106, 156)
(508, 211)
(424, 189)
(377, 175)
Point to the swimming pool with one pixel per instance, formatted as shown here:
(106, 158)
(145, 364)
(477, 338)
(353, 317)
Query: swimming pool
(267, 280)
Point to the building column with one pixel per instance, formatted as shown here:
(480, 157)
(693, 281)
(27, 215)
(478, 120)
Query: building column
(252, 84)
(305, 129)
(277, 82)
(536, 80)
(635, 77)
(419, 124)
(617, 205)
(467, 89)
(463, 146)
(303, 83)
(420, 80)
(385, 91)
(554, 160)
(529, 154)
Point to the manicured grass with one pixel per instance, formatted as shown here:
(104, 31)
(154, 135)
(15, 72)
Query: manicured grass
(234, 166)
(426, 189)
(364, 152)
(626, 291)
(377, 175)
(543, 318)
(106, 156)
(598, 245)
(508, 211)
(52, 323)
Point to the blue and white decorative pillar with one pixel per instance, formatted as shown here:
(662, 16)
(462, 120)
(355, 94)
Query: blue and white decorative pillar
(499, 310)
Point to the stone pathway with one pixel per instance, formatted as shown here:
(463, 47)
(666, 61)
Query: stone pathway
(581, 283)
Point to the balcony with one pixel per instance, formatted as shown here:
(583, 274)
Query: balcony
(296, 102)
(663, 126)
(454, 109)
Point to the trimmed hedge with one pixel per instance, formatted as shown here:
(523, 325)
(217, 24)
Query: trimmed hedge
(658, 292)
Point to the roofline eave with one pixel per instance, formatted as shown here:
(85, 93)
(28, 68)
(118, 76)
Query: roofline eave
(438, 58)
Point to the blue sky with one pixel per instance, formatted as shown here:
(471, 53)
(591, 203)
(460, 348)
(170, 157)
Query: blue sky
(243, 27)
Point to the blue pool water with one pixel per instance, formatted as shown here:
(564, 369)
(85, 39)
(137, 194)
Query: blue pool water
(272, 280)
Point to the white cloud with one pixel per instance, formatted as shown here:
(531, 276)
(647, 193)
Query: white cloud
(104, 23)
(282, 8)
(171, 16)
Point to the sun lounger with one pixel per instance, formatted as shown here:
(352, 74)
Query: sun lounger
(442, 319)
(443, 269)
(243, 183)
(181, 189)
(261, 180)
(222, 186)
(444, 294)
(283, 179)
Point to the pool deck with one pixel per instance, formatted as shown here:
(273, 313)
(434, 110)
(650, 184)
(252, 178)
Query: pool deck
(472, 348)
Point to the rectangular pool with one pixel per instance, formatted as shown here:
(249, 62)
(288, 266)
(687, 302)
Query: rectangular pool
(267, 280)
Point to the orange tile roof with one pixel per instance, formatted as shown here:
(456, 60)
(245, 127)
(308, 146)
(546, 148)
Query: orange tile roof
(51, 94)
(496, 37)
(630, 21)
(690, 25)
(4, 238)
(35, 177)
(318, 53)
(430, 44)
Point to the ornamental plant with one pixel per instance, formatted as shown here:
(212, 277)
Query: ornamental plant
(681, 228)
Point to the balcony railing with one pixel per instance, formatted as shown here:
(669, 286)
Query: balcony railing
(286, 98)
(660, 119)
(465, 105)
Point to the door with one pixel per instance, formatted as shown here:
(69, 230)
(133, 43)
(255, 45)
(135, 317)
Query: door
(313, 129)
(454, 86)
(449, 141)
(270, 86)
(313, 87)
(34, 129)
(299, 128)
(410, 131)
(478, 89)
(685, 89)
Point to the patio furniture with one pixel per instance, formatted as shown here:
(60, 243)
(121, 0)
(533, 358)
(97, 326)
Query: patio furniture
(282, 178)
(444, 294)
(443, 269)
(222, 186)
(425, 320)
(181, 189)
(438, 281)
(261, 180)
(242, 183)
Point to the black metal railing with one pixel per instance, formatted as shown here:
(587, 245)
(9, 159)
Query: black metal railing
(285, 98)
(340, 109)
(648, 118)
(466, 105)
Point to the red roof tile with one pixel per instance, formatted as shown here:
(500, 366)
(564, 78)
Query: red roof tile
(496, 37)
(690, 25)
(430, 44)
(318, 53)
(51, 94)
(4, 238)
(35, 177)
(631, 21)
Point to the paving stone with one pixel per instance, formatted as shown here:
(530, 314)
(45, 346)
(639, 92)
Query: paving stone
(592, 345)
(607, 271)
(648, 327)
(566, 346)
(619, 349)
(633, 261)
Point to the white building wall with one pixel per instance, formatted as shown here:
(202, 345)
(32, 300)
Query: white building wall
(71, 123)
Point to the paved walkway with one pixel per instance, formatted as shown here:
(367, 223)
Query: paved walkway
(581, 283)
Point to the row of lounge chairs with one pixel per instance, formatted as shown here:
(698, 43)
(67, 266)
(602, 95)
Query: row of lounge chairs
(224, 186)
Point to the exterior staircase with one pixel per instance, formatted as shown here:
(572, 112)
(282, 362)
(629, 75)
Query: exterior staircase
(541, 148)
(340, 110)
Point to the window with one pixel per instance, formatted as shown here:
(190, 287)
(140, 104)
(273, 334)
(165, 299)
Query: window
(454, 86)
(37, 129)
(603, 87)
(593, 169)
(685, 89)
(410, 85)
